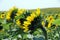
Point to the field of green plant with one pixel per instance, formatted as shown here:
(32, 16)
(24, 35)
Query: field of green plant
(34, 24)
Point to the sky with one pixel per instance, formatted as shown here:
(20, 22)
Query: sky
(28, 4)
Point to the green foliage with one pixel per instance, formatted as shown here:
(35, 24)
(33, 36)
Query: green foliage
(57, 22)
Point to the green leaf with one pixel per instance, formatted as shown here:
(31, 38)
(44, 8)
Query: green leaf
(18, 17)
(57, 21)
(24, 36)
(6, 26)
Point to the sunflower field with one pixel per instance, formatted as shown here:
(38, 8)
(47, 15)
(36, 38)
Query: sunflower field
(35, 24)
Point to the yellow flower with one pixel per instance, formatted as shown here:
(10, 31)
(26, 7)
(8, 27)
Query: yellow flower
(19, 12)
(26, 23)
(29, 18)
(26, 30)
(8, 17)
(51, 18)
(23, 10)
(2, 16)
(33, 15)
(38, 12)
(49, 25)
(43, 23)
(25, 27)
(9, 13)
(18, 22)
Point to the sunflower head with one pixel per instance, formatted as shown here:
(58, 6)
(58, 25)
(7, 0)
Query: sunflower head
(18, 22)
(2, 15)
(38, 12)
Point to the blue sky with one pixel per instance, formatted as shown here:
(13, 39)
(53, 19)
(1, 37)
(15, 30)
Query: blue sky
(28, 4)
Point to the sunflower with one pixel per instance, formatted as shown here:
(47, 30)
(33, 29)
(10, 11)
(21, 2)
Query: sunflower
(26, 29)
(2, 16)
(10, 13)
(43, 23)
(18, 22)
(26, 23)
(8, 16)
(19, 12)
(24, 26)
(51, 18)
(49, 25)
(29, 18)
(38, 12)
